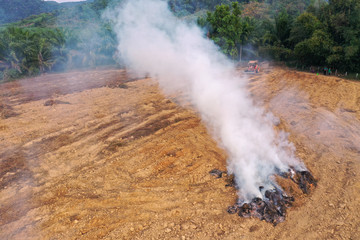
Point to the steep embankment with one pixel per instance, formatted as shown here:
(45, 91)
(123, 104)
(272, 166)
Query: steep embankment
(102, 154)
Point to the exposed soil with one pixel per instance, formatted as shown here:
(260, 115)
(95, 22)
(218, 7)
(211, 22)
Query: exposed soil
(104, 155)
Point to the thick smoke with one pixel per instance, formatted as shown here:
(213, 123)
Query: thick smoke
(153, 41)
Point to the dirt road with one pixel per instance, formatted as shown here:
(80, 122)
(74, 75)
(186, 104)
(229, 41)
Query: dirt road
(104, 155)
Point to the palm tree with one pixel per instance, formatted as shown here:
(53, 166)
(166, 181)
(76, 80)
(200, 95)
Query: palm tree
(246, 29)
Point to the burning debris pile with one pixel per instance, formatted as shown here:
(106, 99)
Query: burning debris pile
(272, 207)
(303, 179)
(187, 64)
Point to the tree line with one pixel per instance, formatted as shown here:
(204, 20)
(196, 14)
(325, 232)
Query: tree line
(30, 51)
(15, 10)
(298, 32)
(64, 39)
(325, 34)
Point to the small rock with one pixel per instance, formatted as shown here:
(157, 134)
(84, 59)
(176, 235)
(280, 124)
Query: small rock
(183, 237)
(254, 228)
(132, 229)
(167, 230)
(342, 205)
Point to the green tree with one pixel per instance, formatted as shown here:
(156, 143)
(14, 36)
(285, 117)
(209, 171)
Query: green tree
(283, 23)
(246, 30)
(228, 29)
(31, 50)
(314, 51)
(344, 27)
(304, 27)
(267, 33)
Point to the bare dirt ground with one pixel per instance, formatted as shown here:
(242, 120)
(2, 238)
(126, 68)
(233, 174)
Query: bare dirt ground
(104, 155)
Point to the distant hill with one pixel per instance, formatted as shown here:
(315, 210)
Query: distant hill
(15, 10)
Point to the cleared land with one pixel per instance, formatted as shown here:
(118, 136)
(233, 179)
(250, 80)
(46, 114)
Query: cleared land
(104, 155)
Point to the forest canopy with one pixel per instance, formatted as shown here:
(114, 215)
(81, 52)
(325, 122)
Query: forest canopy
(15, 10)
(300, 33)
(325, 34)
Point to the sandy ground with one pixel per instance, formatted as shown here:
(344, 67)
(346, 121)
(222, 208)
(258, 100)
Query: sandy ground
(104, 155)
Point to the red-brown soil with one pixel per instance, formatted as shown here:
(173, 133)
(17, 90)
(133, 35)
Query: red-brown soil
(104, 155)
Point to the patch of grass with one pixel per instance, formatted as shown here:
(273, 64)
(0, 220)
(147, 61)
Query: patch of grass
(353, 76)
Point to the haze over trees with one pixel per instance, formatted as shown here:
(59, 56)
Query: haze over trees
(15, 10)
(68, 38)
(301, 33)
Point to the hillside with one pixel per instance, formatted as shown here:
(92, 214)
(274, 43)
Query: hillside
(299, 33)
(15, 10)
(84, 39)
(102, 154)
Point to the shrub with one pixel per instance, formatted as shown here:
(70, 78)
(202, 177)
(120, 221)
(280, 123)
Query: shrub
(11, 74)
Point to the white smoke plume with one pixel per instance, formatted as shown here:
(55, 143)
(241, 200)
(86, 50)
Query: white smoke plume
(153, 41)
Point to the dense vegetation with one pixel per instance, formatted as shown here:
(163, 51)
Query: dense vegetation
(70, 38)
(299, 32)
(325, 34)
(15, 10)
(30, 51)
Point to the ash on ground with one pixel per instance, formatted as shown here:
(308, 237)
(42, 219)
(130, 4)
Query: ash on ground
(272, 208)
